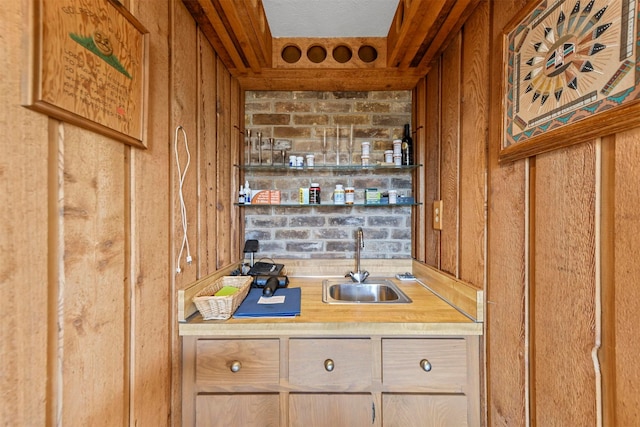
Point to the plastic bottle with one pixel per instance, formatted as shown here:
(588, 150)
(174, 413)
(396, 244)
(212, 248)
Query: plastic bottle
(241, 196)
(349, 195)
(314, 194)
(247, 193)
(407, 146)
(338, 195)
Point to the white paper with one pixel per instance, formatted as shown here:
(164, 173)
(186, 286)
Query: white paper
(278, 299)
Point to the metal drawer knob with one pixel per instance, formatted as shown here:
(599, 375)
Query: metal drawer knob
(329, 365)
(235, 366)
(425, 365)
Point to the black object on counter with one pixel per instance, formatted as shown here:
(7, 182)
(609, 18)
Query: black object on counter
(271, 286)
(261, 281)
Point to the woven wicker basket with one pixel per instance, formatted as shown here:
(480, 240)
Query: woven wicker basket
(222, 307)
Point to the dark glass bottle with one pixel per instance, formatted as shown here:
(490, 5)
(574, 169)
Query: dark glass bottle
(407, 146)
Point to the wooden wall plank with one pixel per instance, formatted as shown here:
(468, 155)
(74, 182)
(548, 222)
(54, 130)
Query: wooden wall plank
(225, 169)
(473, 146)
(563, 291)
(208, 123)
(450, 156)
(505, 337)
(152, 332)
(26, 327)
(184, 112)
(432, 162)
(94, 296)
(419, 213)
(237, 145)
(626, 364)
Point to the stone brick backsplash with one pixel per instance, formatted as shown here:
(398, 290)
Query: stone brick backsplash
(298, 122)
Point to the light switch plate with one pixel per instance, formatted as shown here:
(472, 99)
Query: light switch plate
(437, 214)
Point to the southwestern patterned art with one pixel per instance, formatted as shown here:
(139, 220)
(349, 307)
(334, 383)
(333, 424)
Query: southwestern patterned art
(568, 61)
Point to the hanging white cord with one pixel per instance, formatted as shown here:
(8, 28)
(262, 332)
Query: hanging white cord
(183, 208)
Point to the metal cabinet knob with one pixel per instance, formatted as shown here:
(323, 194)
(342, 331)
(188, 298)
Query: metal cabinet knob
(425, 365)
(235, 366)
(329, 365)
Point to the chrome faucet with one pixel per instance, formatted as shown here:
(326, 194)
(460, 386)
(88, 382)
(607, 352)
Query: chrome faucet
(358, 276)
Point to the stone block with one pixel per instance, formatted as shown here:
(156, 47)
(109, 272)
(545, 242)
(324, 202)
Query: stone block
(271, 119)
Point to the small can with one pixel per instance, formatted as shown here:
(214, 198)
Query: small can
(292, 161)
(349, 195)
(314, 194)
(339, 195)
(388, 156)
(310, 160)
(299, 162)
(397, 147)
(397, 159)
(365, 160)
(303, 196)
(393, 197)
(365, 148)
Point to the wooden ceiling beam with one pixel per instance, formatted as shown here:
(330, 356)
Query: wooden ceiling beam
(239, 32)
(258, 25)
(358, 79)
(243, 22)
(449, 28)
(409, 28)
(206, 15)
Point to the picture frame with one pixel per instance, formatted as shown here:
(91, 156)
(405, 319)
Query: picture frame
(88, 65)
(571, 74)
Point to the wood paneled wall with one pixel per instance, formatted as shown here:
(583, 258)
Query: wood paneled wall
(559, 307)
(91, 230)
(452, 120)
(559, 247)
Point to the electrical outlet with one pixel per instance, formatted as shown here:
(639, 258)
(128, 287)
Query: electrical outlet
(437, 214)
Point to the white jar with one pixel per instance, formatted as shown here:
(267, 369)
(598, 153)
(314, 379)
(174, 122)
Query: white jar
(338, 195)
(365, 160)
(310, 160)
(393, 197)
(388, 156)
(365, 148)
(299, 162)
(397, 159)
(397, 147)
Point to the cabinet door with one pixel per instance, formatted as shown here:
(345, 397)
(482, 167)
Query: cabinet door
(247, 410)
(421, 410)
(335, 410)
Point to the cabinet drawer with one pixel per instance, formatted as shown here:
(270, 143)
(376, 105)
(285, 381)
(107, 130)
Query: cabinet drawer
(330, 364)
(425, 364)
(238, 362)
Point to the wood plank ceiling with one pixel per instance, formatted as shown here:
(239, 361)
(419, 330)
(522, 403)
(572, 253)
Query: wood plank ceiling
(238, 30)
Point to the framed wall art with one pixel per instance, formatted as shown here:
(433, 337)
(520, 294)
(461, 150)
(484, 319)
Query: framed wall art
(89, 66)
(571, 73)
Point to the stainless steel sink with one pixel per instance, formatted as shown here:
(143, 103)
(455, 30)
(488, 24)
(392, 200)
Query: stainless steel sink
(374, 291)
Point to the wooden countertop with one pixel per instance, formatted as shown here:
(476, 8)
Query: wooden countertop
(427, 314)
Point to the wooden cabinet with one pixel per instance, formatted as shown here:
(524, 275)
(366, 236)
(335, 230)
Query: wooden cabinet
(332, 381)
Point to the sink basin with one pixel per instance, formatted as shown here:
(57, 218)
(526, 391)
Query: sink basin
(373, 291)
